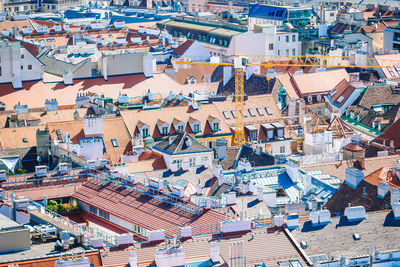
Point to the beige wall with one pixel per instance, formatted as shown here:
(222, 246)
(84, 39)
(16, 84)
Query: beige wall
(84, 71)
(14, 239)
(126, 63)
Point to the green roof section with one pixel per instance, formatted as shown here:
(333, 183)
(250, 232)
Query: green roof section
(189, 26)
(224, 32)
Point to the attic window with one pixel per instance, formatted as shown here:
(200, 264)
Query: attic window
(164, 130)
(233, 113)
(114, 142)
(340, 99)
(391, 72)
(59, 134)
(196, 128)
(260, 111)
(226, 115)
(25, 140)
(269, 111)
(333, 92)
(180, 127)
(252, 113)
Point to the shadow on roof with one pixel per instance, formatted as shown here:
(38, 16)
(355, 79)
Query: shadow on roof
(344, 222)
(200, 169)
(390, 221)
(308, 227)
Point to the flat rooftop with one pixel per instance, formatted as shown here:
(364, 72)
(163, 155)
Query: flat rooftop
(7, 224)
(37, 251)
(379, 231)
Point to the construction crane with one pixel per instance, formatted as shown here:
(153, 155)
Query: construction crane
(241, 62)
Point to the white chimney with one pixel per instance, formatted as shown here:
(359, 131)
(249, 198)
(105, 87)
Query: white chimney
(148, 65)
(133, 261)
(68, 78)
(186, 232)
(278, 220)
(260, 191)
(214, 252)
(383, 189)
(93, 125)
(394, 196)
(218, 171)
(230, 198)
(354, 177)
(105, 68)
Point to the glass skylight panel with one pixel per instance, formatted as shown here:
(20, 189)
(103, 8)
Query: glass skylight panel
(114, 142)
(260, 111)
(226, 115)
(269, 111)
(234, 113)
(252, 113)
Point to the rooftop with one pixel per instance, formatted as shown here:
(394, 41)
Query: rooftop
(379, 230)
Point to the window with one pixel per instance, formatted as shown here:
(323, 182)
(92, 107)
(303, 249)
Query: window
(340, 99)
(114, 142)
(180, 127)
(294, 51)
(287, 52)
(22, 67)
(192, 162)
(287, 38)
(319, 111)
(279, 38)
(22, 56)
(145, 132)
(92, 210)
(178, 163)
(260, 111)
(0, 71)
(196, 128)
(269, 111)
(333, 92)
(104, 215)
(216, 126)
(29, 67)
(279, 52)
(164, 130)
(282, 149)
(226, 115)
(391, 71)
(293, 38)
(25, 140)
(271, 46)
(252, 113)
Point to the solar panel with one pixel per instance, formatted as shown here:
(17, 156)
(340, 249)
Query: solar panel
(269, 111)
(252, 113)
(260, 111)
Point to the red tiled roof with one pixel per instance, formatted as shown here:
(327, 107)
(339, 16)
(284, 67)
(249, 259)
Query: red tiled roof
(138, 209)
(182, 48)
(353, 147)
(390, 133)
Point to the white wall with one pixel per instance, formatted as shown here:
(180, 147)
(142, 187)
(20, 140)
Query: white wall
(11, 63)
(196, 52)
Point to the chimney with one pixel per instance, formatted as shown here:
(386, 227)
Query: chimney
(214, 253)
(221, 147)
(105, 68)
(260, 192)
(383, 189)
(133, 261)
(354, 177)
(148, 65)
(394, 196)
(307, 184)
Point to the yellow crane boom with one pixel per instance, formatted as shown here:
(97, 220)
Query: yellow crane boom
(240, 62)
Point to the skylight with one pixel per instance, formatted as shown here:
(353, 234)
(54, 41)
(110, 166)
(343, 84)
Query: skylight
(114, 142)
(260, 111)
(226, 115)
(340, 99)
(269, 111)
(252, 113)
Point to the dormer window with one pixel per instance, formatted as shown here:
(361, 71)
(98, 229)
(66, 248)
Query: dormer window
(143, 129)
(163, 127)
(164, 130)
(194, 125)
(216, 126)
(214, 123)
(191, 80)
